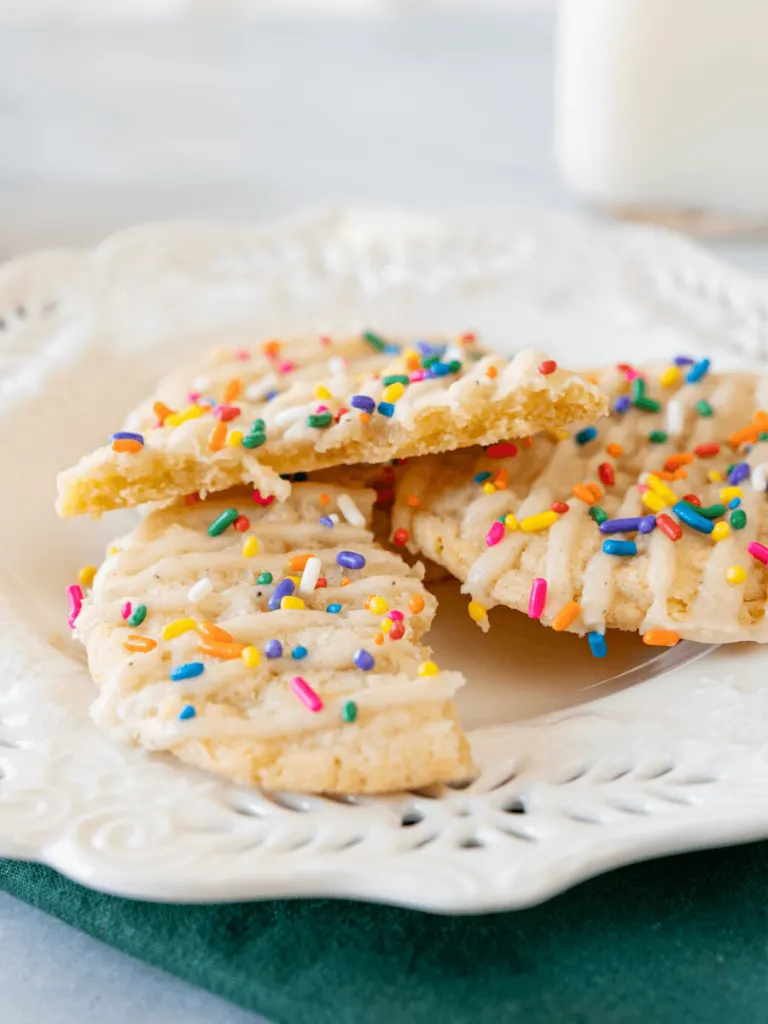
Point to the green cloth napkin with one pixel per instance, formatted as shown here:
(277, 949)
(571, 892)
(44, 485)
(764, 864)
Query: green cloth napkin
(678, 940)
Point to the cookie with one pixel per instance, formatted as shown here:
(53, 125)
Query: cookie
(305, 405)
(652, 520)
(276, 644)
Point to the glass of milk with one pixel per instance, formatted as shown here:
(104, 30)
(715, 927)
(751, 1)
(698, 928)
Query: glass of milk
(662, 109)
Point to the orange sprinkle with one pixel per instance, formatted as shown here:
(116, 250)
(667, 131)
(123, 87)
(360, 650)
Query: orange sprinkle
(566, 616)
(592, 378)
(491, 372)
(324, 499)
(126, 444)
(596, 491)
(140, 644)
(412, 500)
(412, 362)
(345, 581)
(676, 461)
(228, 651)
(747, 435)
(232, 390)
(526, 442)
(501, 479)
(584, 493)
(664, 474)
(191, 499)
(298, 562)
(215, 634)
(680, 474)
(615, 450)
(161, 410)
(364, 417)
(218, 437)
(379, 639)
(760, 420)
(661, 638)
(271, 349)
(416, 604)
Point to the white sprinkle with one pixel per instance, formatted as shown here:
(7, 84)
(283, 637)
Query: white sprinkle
(758, 479)
(675, 417)
(310, 575)
(262, 387)
(200, 590)
(200, 383)
(337, 365)
(350, 511)
(643, 478)
(292, 414)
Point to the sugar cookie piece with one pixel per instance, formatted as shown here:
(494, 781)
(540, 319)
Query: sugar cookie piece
(552, 515)
(323, 693)
(308, 404)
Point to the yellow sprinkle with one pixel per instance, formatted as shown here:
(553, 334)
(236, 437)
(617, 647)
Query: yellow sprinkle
(476, 611)
(428, 668)
(289, 601)
(386, 625)
(113, 550)
(177, 418)
(250, 656)
(178, 627)
(653, 501)
(714, 477)
(321, 392)
(235, 438)
(296, 580)
(378, 605)
(559, 435)
(86, 574)
(250, 547)
(736, 575)
(510, 522)
(541, 521)
(729, 493)
(720, 531)
(666, 494)
(394, 391)
(669, 376)
(489, 488)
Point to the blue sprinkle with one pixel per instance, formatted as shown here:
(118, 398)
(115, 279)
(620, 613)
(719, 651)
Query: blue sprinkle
(428, 349)
(586, 435)
(440, 369)
(188, 671)
(386, 409)
(480, 478)
(283, 589)
(334, 609)
(187, 712)
(698, 371)
(299, 652)
(597, 644)
(739, 472)
(350, 560)
(209, 401)
(692, 518)
(619, 547)
(683, 361)
(273, 649)
(622, 404)
(748, 448)
(364, 402)
(327, 521)
(363, 660)
(270, 395)
(126, 435)
(734, 503)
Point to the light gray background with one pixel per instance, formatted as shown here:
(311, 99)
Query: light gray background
(103, 126)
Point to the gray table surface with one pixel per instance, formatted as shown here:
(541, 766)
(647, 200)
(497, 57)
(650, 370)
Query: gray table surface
(106, 126)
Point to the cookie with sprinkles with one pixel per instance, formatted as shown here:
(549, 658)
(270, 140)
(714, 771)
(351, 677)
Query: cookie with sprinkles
(307, 404)
(282, 651)
(653, 520)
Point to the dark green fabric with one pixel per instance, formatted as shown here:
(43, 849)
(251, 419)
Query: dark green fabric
(682, 939)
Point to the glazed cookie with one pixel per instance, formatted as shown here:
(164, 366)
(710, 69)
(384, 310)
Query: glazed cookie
(305, 405)
(277, 645)
(653, 520)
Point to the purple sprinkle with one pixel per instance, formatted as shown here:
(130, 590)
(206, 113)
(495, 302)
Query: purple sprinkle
(647, 524)
(739, 472)
(622, 525)
(326, 521)
(364, 402)
(363, 660)
(126, 435)
(683, 361)
(270, 395)
(283, 589)
(622, 404)
(350, 560)
(273, 649)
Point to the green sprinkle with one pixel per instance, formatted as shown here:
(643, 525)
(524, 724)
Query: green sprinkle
(253, 440)
(258, 427)
(738, 519)
(220, 523)
(349, 711)
(428, 361)
(730, 469)
(264, 577)
(396, 378)
(704, 408)
(712, 512)
(598, 514)
(374, 341)
(648, 404)
(454, 366)
(657, 436)
(638, 389)
(138, 615)
(763, 436)
(319, 419)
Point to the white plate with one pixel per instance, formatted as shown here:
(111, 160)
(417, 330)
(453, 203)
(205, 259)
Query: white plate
(585, 764)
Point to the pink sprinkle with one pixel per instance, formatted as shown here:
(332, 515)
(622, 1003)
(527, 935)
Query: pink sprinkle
(306, 694)
(75, 598)
(632, 374)
(261, 500)
(224, 413)
(418, 375)
(321, 408)
(242, 355)
(538, 598)
(395, 615)
(126, 610)
(495, 534)
(324, 339)
(758, 551)
(641, 488)
(286, 367)
(193, 397)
